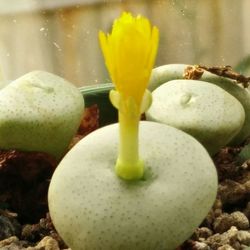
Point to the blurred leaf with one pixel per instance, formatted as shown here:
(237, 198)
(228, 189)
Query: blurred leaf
(244, 155)
(243, 66)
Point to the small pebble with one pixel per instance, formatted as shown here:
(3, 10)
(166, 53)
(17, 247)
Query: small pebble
(226, 247)
(12, 243)
(244, 237)
(8, 227)
(213, 213)
(218, 240)
(231, 192)
(247, 186)
(244, 247)
(217, 208)
(239, 220)
(222, 223)
(8, 241)
(31, 232)
(47, 243)
(226, 221)
(201, 246)
(202, 232)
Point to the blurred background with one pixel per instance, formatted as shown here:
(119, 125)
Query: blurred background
(61, 36)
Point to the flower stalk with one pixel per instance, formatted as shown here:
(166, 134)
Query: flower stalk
(128, 164)
(129, 53)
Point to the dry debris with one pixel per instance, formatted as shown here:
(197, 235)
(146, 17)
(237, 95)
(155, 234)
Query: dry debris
(195, 72)
(24, 181)
(89, 123)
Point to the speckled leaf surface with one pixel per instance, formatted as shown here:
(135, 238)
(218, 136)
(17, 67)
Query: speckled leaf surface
(39, 112)
(158, 212)
(204, 110)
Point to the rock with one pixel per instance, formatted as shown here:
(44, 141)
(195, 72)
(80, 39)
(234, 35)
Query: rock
(47, 243)
(217, 207)
(31, 232)
(8, 227)
(244, 247)
(201, 246)
(244, 237)
(231, 192)
(226, 221)
(203, 232)
(36, 232)
(12, 243)
(226, 247)
(227, 238)
(239, 220)
(247, 186)
(222, 223)
(214, 212)
(8, 241)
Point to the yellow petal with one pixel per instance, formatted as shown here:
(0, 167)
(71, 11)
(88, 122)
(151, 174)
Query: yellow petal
(129, 53)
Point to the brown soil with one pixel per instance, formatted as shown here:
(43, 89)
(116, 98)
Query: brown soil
(25, 222)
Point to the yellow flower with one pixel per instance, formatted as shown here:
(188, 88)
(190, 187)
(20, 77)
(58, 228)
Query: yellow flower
(130, 52)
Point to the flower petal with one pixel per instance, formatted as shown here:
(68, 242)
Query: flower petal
(130, 52)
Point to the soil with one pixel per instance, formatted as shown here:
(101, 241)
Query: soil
(25, 222)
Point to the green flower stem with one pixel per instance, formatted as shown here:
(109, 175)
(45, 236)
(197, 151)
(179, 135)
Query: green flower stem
(128, 165)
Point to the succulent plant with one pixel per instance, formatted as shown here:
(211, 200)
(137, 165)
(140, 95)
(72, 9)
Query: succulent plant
(39, 112)
(152, 197)
(165, 73)
(92, 208)
(201, 109)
